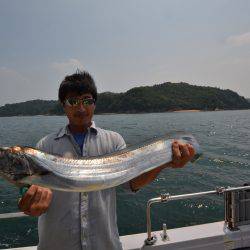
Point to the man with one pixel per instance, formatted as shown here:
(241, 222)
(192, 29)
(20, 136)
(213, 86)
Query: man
(72, 221)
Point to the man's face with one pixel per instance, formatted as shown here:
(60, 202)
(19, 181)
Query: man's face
(79, 115)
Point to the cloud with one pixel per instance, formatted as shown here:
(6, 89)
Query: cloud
(68, 66)
(235, 61)
(10, 75)
(239, 40)
(14, 86)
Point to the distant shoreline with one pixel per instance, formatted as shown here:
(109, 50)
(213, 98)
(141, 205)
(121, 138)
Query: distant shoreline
(189, 110)
(173, 111)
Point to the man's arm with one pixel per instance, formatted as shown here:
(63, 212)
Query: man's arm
(182, 153)
(37, 199)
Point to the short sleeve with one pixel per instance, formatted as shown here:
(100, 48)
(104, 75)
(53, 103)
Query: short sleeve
(121, 144)
(45, 144)
(40, 145)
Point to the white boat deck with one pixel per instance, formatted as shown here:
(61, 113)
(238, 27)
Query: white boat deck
(203, 237)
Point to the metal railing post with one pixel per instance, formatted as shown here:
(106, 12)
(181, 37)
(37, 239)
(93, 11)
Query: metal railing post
(167, 197)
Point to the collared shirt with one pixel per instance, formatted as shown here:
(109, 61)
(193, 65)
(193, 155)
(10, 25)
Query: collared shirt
(79, 221)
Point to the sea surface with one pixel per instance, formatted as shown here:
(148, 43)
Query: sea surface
(223, 135)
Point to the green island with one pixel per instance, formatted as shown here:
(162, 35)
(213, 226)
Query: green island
(165, 97)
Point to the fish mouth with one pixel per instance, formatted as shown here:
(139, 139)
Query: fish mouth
(4, 151)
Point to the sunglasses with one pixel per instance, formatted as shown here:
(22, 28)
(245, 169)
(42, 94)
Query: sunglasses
(73, 101)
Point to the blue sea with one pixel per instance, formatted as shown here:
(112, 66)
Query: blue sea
(223, 135)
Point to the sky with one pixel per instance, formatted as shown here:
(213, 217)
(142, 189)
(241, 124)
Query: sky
(123, 44)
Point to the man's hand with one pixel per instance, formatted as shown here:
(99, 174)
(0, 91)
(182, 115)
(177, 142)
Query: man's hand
(35, 201)
(182, 154)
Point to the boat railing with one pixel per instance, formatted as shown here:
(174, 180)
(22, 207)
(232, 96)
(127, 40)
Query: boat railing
(12, 215)
(236, 206)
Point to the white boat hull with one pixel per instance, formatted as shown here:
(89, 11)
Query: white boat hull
(209, 236)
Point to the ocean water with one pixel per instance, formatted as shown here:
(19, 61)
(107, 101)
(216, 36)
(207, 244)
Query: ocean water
(225, 140)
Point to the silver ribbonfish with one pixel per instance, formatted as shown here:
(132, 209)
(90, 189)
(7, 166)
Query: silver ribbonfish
(26, 166)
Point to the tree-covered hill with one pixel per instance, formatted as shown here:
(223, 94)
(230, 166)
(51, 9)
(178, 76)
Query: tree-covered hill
(34, 107)
(169, 97)
(158, 98)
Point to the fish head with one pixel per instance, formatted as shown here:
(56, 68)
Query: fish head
(14, 164)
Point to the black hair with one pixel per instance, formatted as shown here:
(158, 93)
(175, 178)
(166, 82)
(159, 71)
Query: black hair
(81, 82)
